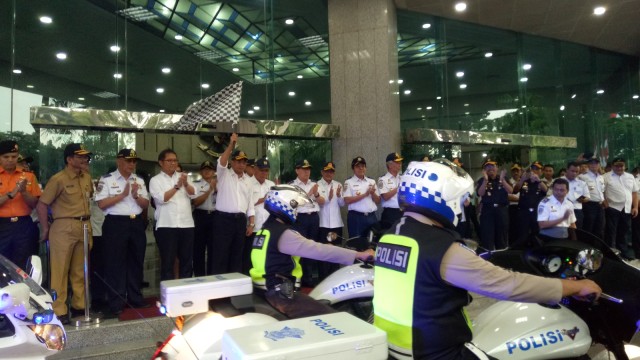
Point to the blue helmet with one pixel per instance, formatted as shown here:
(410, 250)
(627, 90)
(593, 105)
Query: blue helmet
(283, 202)
(435, 189)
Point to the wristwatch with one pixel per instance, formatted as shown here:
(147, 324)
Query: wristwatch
(252, 225)
(176, 187)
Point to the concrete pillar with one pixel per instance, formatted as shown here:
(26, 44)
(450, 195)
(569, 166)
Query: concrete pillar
(364, 90)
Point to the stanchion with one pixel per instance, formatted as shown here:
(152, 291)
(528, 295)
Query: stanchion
(87, 294)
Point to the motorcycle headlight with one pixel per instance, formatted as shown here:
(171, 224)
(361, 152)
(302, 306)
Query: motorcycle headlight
(53, 336)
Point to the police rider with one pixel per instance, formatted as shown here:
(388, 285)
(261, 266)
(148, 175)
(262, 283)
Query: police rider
(277, 250)
(423, 260)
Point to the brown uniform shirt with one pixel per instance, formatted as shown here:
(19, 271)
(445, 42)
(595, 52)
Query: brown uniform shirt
(68, 194)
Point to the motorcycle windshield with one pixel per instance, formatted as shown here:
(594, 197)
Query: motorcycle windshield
(11, 274)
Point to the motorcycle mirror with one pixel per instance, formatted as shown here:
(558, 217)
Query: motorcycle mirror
(35, 272)
(589, 259)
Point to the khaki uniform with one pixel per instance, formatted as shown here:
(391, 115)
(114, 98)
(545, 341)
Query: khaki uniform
(68, 194)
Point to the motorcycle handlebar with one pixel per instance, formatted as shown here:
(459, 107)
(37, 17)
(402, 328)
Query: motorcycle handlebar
(611, 298)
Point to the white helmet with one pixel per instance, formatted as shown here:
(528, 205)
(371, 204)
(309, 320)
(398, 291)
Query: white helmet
(283, 202)
(435, 189)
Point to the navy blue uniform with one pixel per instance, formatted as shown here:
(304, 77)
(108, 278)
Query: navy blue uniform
(494, 218)
(527, 219)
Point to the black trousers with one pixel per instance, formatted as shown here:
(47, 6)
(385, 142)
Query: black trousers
(17, 239)
(527, 224)
(172, 243)
(617, 225)
(389, 217)
(202, 241)
(326, 268)
(308, 225)
(593, 218)
(124, 245)
(635, 235)
(494, 226)
(579, 218)
(228, 244)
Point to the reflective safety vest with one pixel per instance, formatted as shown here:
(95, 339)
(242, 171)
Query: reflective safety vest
(421, 314)
(267, 260)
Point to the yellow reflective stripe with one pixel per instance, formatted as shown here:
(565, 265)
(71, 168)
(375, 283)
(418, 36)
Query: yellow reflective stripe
(297, 270)
(401, 335)
(259, 259)
(396, 320)
(467, 319)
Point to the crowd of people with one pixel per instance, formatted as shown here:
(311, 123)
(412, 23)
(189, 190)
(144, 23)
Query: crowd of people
(208, 226)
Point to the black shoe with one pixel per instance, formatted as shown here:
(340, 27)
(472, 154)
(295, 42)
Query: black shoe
(112, 314)
(64, 319)
(139, 305)
(77, 312)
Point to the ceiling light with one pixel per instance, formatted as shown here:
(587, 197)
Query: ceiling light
(312, 41)
(137, 13)
(17, 71)
(419, 109)
(400, 81)
(429, 108)
(61, 55)
(524, 79)
(461, 7)
(426, 26)
(106, 95)
(466, 104)
(523, 106)
(526, 67)
(407, 92)
(161, 110)
(166, 70)
(488, 54)
(307, 103)
(600, 91)
(439, 98)
(256, 108)
(235, 69)
(30, 86)
(250, 112)
(81, 98)
(289, 21)
(46, 20)
(391, 81)
(299, 76)
(205, 86)
(484, 154)
(634, 96)
(117, 76)
(600, 10)
(463, 86)
(115, 48)
(574, 96)
(460, 74)
(292, 93)
(290, 119)
(160, 90)
(178, 37)
(561, 107)
(466, 113)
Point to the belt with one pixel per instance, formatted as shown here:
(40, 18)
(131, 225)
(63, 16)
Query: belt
(131, 217)
(12, 219)
(231, 215)
(308, 214)
(494, 205)
(81, 218)
(361, 213)
(208, 212)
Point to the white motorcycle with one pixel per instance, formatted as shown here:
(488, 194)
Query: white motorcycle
(29, 329)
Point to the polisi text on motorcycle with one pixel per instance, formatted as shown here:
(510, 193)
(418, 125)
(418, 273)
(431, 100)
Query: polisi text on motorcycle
(544, 339)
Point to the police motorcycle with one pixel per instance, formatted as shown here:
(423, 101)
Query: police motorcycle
(511, 330)
(29, 329)
(211, 309)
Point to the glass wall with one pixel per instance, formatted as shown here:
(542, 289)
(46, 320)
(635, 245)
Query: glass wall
(161, 56)
(463, 76)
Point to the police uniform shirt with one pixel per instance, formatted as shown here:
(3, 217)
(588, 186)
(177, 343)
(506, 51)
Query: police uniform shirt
(175, 213)
(113, 184)
(68, 194)
(551, 209)
(530, 195)
(330, 217)
(258, 192)
(307, 187)
(513, 183)
(619, 189)
(387, 183)
(495, 194)
(234, 192)
(595, 184)
(577, 188)
(17, 206)
(201, 186)
(354, 186)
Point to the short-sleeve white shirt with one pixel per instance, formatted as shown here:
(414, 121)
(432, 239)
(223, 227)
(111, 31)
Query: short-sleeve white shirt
(112, 184)
(234, 193)
(577, 188)
(330, 216)
(595, 184)
(175, 213)
(258, 191)
(619, 189)
(551, 209)
(201, 187)
(355, 186)
(387, 183)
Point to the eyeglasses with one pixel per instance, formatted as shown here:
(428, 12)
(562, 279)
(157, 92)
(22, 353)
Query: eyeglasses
(131, 160)
(83, 157)
(170, 160)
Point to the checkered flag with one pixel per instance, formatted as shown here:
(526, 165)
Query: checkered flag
(221, 106)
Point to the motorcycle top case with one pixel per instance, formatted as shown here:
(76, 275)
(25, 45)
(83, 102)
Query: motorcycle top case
(333, 336)
(192, 295)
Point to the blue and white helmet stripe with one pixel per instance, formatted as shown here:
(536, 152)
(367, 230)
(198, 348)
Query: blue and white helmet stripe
(273, 203)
